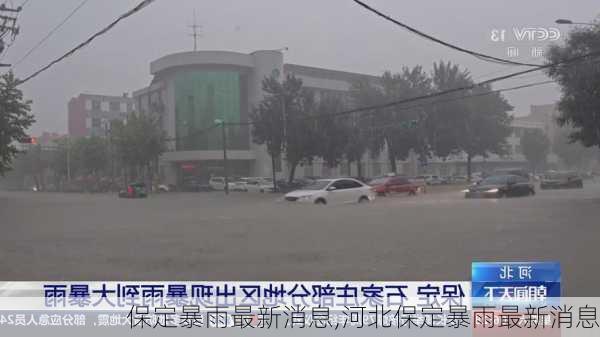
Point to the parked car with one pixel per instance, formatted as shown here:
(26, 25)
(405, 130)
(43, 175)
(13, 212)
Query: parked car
(386, 185)
(460, 180)
(428, 179)
(260, 184)
(284, 186)
(446, 180)
(239, 185)
(512, 171)
(556, 180)
(194, 184)
(332, 191)
(134, 191)
(500, 187)
(217, 183)
(163, 188)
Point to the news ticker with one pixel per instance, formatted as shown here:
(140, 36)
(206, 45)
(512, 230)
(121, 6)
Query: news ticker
(511, 296)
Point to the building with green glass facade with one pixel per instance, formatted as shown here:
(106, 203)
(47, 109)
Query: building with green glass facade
(190, 90)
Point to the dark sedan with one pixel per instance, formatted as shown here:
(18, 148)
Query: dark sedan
(500, 187)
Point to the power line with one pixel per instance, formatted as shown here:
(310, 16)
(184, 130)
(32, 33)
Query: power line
(523, 86)
(81, 4)
(480, 56)
(458, 89)
(469, 87)
(374, 111)
(129, 13)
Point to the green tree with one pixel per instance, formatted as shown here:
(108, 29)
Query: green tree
(487, 125)
(571, 153)
(15, 118)
(535, 147)
(138, 142)
(475, 122)
(332, 133)
(364, 127)
(91, 155)
(267, 121)
(284, 121)
(301, 142)
(400, 132)
(62, 162)
(447, 119)
(579, 104)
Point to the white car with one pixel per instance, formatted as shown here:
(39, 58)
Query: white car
(333, 191)
(218, 183)
(259, 184)
(240, 185)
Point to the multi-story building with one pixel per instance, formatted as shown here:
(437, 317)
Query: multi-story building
(90, 115)
(190, 90)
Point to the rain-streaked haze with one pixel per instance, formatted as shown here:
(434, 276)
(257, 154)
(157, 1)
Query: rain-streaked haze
(333, 34)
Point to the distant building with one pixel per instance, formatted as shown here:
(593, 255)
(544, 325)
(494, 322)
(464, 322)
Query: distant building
(90, 115)
(192, 89)
(48, 138)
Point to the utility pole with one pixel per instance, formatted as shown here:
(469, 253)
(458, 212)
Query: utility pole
(195, 33)
(224, 140)
(8, 26)
(68, 159)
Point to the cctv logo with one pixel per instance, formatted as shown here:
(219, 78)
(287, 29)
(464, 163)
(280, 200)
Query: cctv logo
(527, 34)
(536, 34)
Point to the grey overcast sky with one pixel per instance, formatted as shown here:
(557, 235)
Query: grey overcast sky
(333, 34)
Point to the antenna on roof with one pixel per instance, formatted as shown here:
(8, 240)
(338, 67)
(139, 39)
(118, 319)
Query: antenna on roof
(196, 32)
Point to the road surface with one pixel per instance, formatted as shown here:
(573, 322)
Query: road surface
(207, 236)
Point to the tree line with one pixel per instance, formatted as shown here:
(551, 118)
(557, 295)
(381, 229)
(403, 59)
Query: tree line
(299, 125)
(128, 152)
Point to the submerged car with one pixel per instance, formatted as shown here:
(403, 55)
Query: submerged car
(501, 186)
(134, 191)
(259, 184)
(332, 191)
(386, 185)
(556, 180)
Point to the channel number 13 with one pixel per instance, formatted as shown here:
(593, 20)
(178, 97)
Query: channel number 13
(498, 35)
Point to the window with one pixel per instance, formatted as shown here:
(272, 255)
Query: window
(96, 122)
(114, 106)
(518, 149)
(376, 168)
(104, 106)
(123, 107)
(346, 184)
(278, 164)
(95, 104)
(400, 181)
(520, 179)
(339, 185)
(88, 104)
(308, 170)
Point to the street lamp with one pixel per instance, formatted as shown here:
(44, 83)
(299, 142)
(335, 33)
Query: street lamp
(224, 137)
(570, 22)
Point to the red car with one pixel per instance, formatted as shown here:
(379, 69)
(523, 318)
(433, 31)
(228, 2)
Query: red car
(386, 185)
